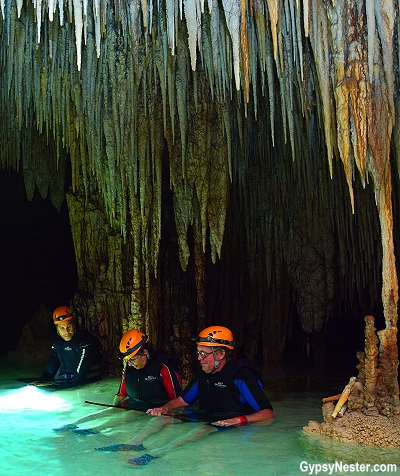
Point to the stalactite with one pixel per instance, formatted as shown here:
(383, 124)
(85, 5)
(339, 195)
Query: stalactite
(370, 12)
(232, 15)
(306, 10)
(137, 311)
(219, 42)
(244, 48)
(273, 11)
(78, 19)
(158, 149)
(193, 22)
(206, 55)
(170, 20)
(271, 93)
(172, 93)
(160, 65)
(253, 68)
(181, 86)
(320, 44)
(259, 16)
(38, 10)
(288, 75)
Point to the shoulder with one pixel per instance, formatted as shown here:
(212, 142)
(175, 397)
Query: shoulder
(86, 335)
(57, 342)
(238, 364)
(241, 368)
(84, 338)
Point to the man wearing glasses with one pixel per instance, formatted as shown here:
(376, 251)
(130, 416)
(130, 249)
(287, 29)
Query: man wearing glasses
(231, 390)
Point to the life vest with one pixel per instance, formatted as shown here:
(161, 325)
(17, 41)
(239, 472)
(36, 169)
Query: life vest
(218, 394)
(145, 385)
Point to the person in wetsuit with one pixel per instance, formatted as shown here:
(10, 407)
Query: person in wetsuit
(150, 377)
(75, 357)
(229, 390)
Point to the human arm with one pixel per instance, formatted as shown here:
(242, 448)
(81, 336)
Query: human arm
(250, 391)
(88, 366)
(119, 400)
(190, 395)
(171, 405)
(262, 415)
(122, 393)
(82, 361)
(172, 381)
(53, 364)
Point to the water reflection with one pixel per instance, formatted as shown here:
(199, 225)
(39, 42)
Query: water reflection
(322, 449)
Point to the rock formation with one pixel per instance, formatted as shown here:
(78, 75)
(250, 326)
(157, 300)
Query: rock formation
(372, 410)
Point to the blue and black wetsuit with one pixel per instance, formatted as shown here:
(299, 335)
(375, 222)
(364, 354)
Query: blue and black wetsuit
(237, 389)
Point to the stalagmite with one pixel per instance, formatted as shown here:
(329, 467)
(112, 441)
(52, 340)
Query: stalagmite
(370, 368)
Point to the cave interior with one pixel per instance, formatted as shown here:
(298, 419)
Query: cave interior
(233, 163)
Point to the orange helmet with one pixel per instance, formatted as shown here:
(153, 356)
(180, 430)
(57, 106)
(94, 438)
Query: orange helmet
(131, 342)
(216, 336)
(62, 314)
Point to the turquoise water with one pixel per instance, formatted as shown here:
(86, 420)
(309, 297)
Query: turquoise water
(30, 446)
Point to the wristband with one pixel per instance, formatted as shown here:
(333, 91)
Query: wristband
(243, 420)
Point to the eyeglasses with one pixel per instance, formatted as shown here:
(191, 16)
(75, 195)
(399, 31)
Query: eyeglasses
(134, 358)
(203, 355)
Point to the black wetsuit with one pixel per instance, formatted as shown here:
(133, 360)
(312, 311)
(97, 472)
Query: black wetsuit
(153, 385)
(75, 361)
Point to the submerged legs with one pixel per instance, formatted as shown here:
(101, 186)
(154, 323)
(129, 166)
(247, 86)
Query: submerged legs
(196, 434)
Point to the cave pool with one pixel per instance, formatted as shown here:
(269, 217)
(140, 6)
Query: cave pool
(30, 446)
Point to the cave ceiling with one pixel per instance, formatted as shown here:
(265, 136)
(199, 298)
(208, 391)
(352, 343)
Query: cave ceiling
(266, 131)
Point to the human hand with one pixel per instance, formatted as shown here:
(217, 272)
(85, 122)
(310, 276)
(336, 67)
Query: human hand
(38, 383)
(156, 411)
(119, 399)
(229, 422)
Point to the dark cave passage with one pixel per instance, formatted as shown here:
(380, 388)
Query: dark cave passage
(37, 261)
